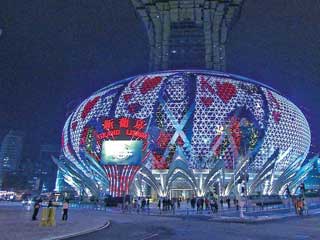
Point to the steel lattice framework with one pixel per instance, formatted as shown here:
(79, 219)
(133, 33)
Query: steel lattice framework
(202, 116)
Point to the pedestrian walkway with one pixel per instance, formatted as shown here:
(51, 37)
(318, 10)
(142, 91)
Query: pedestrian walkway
(223, 215)
(16, 224)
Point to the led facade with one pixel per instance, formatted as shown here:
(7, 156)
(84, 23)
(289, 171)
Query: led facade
(193, 124)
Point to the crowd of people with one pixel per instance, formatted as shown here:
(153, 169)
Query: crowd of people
(211, 203)
(165, 204)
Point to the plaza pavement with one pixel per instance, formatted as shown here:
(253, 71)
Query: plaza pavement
(15, 221)
(16, 224)
(142, 227)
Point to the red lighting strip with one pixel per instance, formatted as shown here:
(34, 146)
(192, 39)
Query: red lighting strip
(120, 178)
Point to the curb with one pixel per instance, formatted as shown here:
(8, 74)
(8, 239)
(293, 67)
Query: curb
(66, 236)
(247, 220)
(252, 220)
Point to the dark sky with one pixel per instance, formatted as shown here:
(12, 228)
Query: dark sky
(54, 52)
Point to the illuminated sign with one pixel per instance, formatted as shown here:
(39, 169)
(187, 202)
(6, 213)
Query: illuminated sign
(130, 128)
(121, 152)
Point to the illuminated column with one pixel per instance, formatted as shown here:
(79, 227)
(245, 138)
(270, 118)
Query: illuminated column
(162, 183)
(201, 192)
(123, 143)
(189, 33)
(120, 178)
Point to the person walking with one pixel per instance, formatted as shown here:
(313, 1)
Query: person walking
(216, 207)
(206, 203)
(36, 208)
(199, 203)
(212, 207)
(202, 204)
(221, 202)
(143, 204)
(228, 202)
(159, 204)
(138, 205)
(65, 208)
(300, 206)
(193, 202)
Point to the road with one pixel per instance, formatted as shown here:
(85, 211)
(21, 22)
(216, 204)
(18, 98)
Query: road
(141, 227)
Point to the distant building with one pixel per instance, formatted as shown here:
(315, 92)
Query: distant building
(188, 34)
(10, 152)
(47, 171)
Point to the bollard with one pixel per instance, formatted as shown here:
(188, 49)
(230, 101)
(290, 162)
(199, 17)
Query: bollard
(44, 217)
(51, 217)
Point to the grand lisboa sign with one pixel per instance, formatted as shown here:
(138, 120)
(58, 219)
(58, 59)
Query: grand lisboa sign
(202, 127)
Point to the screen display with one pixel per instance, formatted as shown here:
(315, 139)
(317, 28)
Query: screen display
(121, 152)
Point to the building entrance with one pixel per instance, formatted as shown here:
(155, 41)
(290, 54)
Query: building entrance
(181, 193)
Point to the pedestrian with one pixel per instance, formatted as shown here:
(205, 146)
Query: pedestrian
(143, 204)
(216, 207)
(221, 203)
(164, 204)
(172, 205)
(212, 205)
(169, 201)
(36, 208)
(206, 203)
(193, 202)
(138, 205)
(198, 205)
(159, 204)
(148, 203)
(65, 208)
(300, 206)
(126, 205)
(50, 204)
(237, 204)
(228, 202)
(202, 204)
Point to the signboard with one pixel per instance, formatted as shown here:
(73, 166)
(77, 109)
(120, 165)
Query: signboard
(121, 152)
(123, 127)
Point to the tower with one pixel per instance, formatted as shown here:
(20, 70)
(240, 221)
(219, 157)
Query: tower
(188, 33)
(11, 150)
(10, 153)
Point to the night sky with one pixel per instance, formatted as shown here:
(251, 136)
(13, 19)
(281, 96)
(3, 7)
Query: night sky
(56, 53)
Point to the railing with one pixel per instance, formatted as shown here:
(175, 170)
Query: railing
(186, 209)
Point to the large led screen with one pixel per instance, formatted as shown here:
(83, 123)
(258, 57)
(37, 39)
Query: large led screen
(121, 152)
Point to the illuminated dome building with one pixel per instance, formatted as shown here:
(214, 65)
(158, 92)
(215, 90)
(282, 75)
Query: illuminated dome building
(183, 133)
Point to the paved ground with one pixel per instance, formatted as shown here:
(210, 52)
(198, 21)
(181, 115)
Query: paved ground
(16, 224)
(150, 227)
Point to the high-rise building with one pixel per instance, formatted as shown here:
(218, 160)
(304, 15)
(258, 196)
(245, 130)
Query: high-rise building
(11, 150)
(188, 33)
(10, 153)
